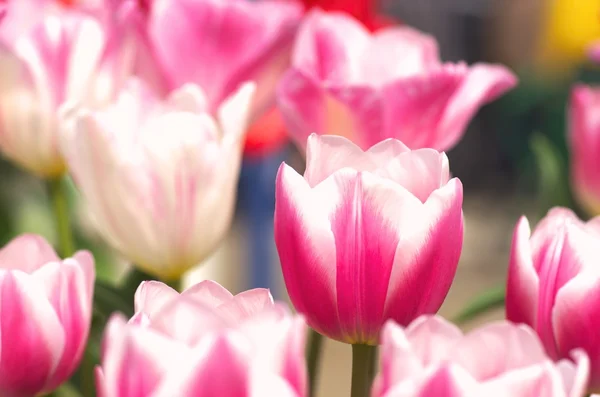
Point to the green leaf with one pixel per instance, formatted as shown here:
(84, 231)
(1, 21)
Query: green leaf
(490, 300)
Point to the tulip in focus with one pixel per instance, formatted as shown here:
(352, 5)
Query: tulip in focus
(432, 357)
(388, 84)
(369, 236)
(62, 56)
(159, 176)
(45, 315)
(584, 139)
(554, 284)
(203, 343)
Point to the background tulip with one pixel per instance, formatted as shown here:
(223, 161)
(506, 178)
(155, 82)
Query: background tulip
(367, 236)
(584, 138)
(389, 84)
(45, 315)
(159, 176)
(193, 345)
(553, 284)
(48, 57)
(433, 358)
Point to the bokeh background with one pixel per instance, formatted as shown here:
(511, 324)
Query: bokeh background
(513, 160)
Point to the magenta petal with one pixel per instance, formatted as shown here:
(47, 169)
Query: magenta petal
(27, 252)
(31, 337)
(522, 286)
(306, 249)
(426, 258)
(575, 320)
(447, 381)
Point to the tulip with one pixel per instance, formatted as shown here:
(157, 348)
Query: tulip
(195, 346)
(389, 84)
(159, 176)
(553, 284)
(432, 357)
(594, 51)
(367, 236)
(584, 138)
(45, 315)
(49, 57)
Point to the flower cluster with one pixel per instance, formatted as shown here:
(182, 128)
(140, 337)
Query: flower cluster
(145, 104)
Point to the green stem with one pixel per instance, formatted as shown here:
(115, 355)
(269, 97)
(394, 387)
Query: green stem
(363, 369)
(57, 190)
(315, 345)
(492, 299)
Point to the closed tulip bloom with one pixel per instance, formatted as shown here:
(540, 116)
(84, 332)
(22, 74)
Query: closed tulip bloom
(45, 315)
(49, 58)
(388, 84)
(159, 176)
(431, 357)
(584, 139)
(554, 284)
(369, 236)
(198, 345)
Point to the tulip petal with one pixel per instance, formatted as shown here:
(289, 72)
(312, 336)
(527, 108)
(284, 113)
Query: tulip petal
(209, 293)
(575, 320)
(246, 304)
(522, 287)
(27, 253)
(31, 336)
(432, 338)
(151, 296)
(426, 259)
(575, 374)
(538, 380)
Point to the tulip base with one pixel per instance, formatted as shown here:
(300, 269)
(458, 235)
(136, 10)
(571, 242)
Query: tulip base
(363, 369)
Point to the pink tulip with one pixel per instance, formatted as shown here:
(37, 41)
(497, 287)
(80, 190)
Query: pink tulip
(159, 176)
(594, 51)
(49, 57)
(216, 44)
(45, 315)
(389, 84)
(554, 284)
(199, 344)
(432, 357)
(584, 138)
(369, 236)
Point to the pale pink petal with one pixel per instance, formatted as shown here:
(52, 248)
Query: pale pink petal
(432, 339)
(426, 259)
(398, 52)
(265, 384)
(85, 261)
(508, 347)
(447, 381)
(100, 382)
(65, 285)
(238, 37)
(523, 285)
(151, 296)
(534, 381)
(220, 367)
(575, 320)
(27, 253)
(209, 292)
(246, 304)
(306, 249)
(32, 339)
(575, 374)
(329, 47)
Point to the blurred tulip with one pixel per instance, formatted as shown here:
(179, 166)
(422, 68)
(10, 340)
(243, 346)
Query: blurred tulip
(554, 284)
(594, 51)
(433, 358)
(48, 58)
(584, 139)
(390, 84)
(45, 315)
(159, 176)
(193, 345)
(367, 236)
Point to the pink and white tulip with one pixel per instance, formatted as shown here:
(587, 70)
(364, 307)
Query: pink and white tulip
(45, 315)
(584, 139)
(369, 236)
(159, 176)
(431, 357)
(199, 344)
(389, 84)
(216, 44)
(49, 57)
(554, 284)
